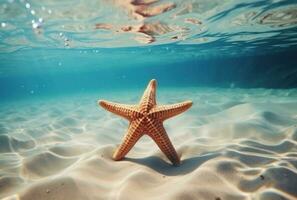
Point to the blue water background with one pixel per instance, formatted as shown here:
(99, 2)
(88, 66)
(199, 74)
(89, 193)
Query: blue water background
(249, 44)
(72, 71)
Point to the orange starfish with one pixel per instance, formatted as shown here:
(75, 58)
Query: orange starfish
(147, 118)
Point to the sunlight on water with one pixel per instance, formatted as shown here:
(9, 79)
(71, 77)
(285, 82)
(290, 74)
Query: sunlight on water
(115, 43)
(231, 62)
(244, 25)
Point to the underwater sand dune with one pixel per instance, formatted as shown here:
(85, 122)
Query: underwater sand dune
(234, 144)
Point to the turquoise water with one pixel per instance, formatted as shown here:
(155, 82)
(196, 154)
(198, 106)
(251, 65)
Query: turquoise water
(235, 59)
(52, 47)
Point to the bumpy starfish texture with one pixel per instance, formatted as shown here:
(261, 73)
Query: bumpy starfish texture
(146, 118)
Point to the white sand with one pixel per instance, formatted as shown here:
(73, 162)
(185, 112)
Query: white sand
(234, 144)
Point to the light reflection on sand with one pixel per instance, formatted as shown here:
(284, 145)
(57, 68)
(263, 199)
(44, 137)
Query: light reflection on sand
(233, 143)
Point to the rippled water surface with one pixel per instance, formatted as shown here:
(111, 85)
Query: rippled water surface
(229, 24)
(45, 45)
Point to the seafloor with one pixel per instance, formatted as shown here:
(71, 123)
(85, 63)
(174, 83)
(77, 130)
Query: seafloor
(234, 144)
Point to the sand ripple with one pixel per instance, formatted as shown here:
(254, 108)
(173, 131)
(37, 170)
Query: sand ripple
(233, 146)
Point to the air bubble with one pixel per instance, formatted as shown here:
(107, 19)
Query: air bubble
(43, 8)
(232, 85)
(61, 34)
(49, 11)
(32, 92)
(33, 12)
(60, 64)
(36, 25)
(3, 24)
(28, 5)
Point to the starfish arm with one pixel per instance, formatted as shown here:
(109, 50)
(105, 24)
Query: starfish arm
(158, 133)
(167, 111)
(134, 132)
(148, 99)
(123, 110)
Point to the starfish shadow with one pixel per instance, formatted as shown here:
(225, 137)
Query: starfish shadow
(188, 165)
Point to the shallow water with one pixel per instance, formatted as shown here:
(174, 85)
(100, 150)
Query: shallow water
(235, 60)
(230, 138)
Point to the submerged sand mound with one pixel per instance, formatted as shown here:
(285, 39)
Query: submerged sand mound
(233, 145)
(10, 144)
(44, 164)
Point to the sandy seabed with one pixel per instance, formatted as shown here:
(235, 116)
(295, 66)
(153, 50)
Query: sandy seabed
(234, 144)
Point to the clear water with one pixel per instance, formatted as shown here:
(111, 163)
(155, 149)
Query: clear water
(57, 47)
(235, 59)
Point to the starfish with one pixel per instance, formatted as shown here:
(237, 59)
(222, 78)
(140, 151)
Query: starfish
(146, 118)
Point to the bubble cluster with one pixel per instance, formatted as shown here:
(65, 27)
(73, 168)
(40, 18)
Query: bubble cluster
(37, 24)
(65, 39)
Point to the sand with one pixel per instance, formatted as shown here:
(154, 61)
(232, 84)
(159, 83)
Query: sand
(234, 144)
